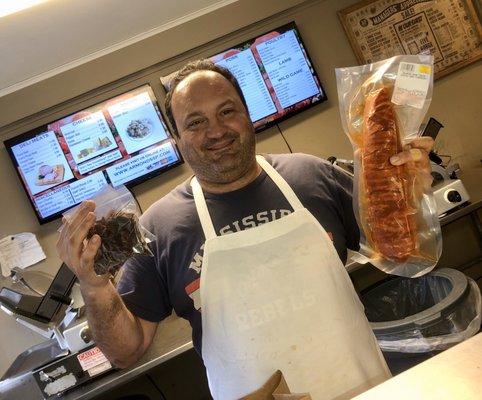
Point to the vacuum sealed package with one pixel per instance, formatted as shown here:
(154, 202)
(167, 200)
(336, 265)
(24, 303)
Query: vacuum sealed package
(382, 106)
(117, 223)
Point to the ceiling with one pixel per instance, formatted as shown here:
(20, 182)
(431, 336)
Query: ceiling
(57, 35)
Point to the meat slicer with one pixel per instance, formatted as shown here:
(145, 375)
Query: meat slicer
(448, 191)
(69, 357)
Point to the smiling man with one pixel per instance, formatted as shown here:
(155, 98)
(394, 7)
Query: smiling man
(215, 132)
(250, 250)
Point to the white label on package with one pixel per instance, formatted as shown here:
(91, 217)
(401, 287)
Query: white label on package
(91, 358)
(411, 85)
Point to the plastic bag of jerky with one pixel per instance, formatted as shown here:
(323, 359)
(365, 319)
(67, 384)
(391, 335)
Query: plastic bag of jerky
(382, 106)
(117, 223)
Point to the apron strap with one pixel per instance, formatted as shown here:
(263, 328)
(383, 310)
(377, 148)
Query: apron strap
(281, 183)
(202, 208)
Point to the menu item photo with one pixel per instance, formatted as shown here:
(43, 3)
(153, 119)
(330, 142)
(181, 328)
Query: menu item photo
(137, 122)
(139, 128)
(96, 146)
(49, 175)
(41, 162)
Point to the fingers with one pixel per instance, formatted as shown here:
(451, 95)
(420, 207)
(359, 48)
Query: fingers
(81, 213)
(78, 236)
(90, 250)
(412, 155)
(73, 232)
(424, 143)
(70, 224)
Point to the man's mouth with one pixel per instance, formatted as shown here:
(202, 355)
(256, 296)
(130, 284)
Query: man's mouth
(221, 145)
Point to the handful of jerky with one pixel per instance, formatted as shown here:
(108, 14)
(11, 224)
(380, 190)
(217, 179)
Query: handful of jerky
(121, 236)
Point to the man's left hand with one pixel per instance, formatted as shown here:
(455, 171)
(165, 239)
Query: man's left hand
(416, 153)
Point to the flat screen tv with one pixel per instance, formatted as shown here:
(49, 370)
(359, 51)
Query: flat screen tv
(123, 140)
(275, 73)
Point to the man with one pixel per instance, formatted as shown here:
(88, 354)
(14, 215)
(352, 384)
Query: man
(249, 251)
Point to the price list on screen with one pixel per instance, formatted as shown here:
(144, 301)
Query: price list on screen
(288, 69)
(243, 66)
(69, 195)
(41, 150)
(88, 137)
(54, 201)
(87, 187)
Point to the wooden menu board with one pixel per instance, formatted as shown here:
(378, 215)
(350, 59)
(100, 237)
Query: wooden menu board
(450, 30)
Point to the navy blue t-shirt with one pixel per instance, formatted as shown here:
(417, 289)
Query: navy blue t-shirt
(152, 287)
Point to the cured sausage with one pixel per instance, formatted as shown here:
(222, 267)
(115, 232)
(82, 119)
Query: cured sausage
(388, 216)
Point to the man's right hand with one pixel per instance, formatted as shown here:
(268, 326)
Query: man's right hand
(121, 335)
(76, 251)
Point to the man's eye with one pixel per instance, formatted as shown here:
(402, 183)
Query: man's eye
(194, 123)
(227, 111)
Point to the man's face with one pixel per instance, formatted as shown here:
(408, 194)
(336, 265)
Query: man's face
(216, 134)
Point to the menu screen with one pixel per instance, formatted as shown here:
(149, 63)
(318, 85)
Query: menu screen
(274, 73)
(123, 140)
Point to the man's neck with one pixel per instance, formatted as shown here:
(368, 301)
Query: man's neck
(239, 183)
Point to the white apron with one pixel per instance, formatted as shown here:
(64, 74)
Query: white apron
(278, 297)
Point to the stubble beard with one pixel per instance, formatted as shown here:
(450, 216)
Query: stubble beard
(230, 166)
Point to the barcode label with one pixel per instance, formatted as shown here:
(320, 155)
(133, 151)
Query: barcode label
(406, 67)
(411, 85)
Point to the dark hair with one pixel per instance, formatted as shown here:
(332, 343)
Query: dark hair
(188, 69)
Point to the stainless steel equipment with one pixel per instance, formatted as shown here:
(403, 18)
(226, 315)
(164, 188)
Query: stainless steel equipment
(70, 358)
(448, 190)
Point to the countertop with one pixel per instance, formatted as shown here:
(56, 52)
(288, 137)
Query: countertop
(463, 364)
(455, 374)
(173, 337)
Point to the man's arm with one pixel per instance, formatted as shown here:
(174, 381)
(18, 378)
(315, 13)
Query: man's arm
(122, 336)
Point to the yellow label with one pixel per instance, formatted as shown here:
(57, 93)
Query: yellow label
(424, 69)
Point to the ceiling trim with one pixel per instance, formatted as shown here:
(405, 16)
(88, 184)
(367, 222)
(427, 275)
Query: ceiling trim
(100, 53)
(28, 101)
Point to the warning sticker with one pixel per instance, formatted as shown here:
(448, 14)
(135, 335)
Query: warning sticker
(91, 358)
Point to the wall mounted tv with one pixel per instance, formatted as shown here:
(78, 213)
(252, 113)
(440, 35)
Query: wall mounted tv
(275, 73)
(123, 140)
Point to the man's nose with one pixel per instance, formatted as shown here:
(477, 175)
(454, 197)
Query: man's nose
(216, 128)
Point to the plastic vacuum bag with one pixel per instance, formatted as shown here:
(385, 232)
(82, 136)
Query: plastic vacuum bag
(382, 106)
(117, 223)
(402, 298)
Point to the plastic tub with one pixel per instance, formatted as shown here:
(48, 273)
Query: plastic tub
(418, 317)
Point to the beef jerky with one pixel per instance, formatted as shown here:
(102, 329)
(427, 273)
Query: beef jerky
(121, 239)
